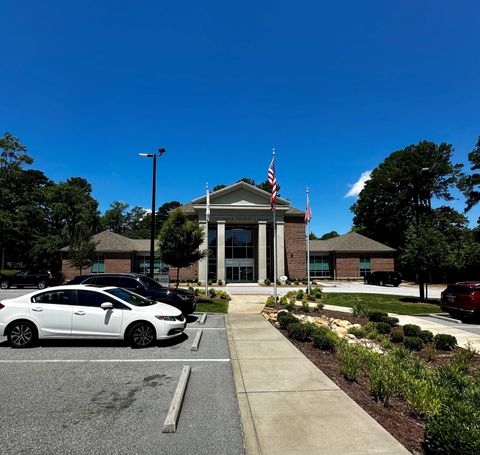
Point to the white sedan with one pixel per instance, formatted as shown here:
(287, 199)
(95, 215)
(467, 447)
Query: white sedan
(82, 311)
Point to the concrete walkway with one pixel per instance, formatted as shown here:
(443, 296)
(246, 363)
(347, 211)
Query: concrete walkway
(287, 405)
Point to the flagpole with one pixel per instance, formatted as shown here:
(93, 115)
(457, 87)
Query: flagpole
(307, 229)
(207, 216)
(275, 294)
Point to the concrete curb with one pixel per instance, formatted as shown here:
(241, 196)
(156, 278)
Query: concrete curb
(196, 341)
(202, 320)
(170, 424)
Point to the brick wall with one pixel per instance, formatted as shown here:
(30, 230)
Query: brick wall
(348, 266)
(118, 265)
(295, 248)
(386, 264)
(186, 273)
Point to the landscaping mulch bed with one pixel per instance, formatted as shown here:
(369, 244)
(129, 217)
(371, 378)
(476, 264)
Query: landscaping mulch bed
(396, 417)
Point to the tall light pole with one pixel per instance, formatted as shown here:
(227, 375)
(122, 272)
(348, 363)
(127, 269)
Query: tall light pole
(160, 152)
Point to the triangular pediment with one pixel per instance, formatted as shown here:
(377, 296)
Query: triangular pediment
(240, 194)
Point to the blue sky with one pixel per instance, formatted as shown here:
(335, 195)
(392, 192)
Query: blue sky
(333, 86)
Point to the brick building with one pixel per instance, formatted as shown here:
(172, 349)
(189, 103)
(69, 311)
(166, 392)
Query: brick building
(239, 236)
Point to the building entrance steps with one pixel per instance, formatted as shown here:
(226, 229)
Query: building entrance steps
(287, 405)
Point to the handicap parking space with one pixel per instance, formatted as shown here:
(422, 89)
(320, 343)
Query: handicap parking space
(105, 397)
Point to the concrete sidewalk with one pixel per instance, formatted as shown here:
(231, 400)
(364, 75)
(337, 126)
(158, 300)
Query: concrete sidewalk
(287, 405)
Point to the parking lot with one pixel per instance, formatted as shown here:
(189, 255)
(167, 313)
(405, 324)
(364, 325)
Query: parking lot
(86, 397)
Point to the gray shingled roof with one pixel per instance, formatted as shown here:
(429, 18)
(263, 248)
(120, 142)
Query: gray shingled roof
(109, 242)
(352, 242)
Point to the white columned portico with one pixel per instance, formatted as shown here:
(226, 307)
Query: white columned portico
(203, 263)
(221, 250)
(262, 251)
(280, 248)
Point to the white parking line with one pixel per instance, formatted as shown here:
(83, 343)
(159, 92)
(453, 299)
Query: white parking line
(111, 360)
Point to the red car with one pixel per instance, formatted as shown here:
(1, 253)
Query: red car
(462, 299)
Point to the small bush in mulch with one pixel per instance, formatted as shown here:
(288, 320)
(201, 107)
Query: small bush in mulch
(377, 316)
(383, 328)
(396, 335)
(350, 361)
(411, 330)
(319, 307)
(358, 332)
(299, 331)
(390, 320)
(284, 319)
(325, 339)
(444, 342)
(426, 336)
(360, 310)
(413, 343)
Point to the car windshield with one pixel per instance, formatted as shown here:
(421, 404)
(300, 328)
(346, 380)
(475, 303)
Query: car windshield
(150, 283)
(130, 297)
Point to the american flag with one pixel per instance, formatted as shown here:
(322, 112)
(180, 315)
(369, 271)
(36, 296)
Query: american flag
(272, 180)
(308, 211)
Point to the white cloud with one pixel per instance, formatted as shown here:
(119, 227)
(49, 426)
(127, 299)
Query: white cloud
(357, 187)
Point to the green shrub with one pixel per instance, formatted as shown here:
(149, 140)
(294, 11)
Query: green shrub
(210, 282)
(454, 430)
(400, 353)
(383, 328)
(283, 300)
(199, 291)
(319, 307)
(299, 331)
(377, 316)
(290, 306)
(370, 330)
(396, 335)
(360, 310)
(411, 330)
(382, 378)
(270, 301)
(430, 352)
(426, 336)
(305, 306)
(390, 320)
(310, 298)
(462, 358)
(300, 294)
(284, 319)
(220, 282)
(224, 295)
(413, 343)
(350, 361)
(422, 395)
(325, 339)
(191, 288)
(358, 332)
(316, 292)
(267, 282)
(212, 293)
(444, 342)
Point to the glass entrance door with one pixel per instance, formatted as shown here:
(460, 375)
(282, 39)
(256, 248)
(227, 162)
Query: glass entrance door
(239, 254)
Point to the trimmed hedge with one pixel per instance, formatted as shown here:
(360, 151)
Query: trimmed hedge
(284, 319)
(413, 343)
(411, 330)
(444, 342)
(324, 339)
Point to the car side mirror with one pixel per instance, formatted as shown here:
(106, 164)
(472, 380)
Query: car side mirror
(106, 305)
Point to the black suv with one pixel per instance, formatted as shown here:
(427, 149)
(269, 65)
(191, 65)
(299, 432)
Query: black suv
(383, 278)
(141, 284)
(38, 278)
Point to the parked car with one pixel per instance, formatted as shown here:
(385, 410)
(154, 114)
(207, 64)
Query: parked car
(34, 277)
(383, 278)
(82, 311)
(462, 299)
(182, 299)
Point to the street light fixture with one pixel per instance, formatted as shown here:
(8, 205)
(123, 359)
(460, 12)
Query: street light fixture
(160, 152)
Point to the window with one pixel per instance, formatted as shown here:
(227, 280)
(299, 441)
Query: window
(212, 258)
(66, 297)
(319, 265)
(365, 265)
(102, 281)
(95, 299)
(98, 265)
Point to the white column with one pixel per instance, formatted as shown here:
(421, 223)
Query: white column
(262, 251)
(202, 264)
(221, 250)
(280, 248)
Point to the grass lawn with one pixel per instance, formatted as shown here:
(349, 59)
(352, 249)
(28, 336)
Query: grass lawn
(208, 305)
(379, 302)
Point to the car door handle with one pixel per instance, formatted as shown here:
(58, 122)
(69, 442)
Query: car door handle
(80, 313)
(37, 309)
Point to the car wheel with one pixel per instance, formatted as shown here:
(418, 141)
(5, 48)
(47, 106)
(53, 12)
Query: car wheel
(4, 284)
(41, 284)
(22, 334)
(141, 335)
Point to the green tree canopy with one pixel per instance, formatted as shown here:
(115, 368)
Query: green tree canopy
(329, 235)
(470, 184)
(400, 189)
(116, 218)
(82, 253)
(180, 240)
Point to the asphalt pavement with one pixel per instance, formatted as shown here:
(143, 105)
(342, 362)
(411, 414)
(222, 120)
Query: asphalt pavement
(90, 397)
